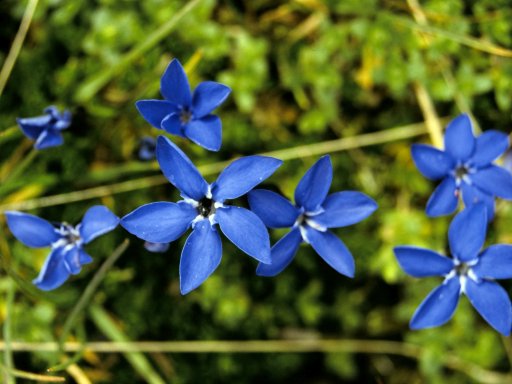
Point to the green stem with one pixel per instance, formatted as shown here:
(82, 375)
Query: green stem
(5, 73)
(90, 289)
(9, 133)
(93, 85)
(32, 376)
(469, 41)
(380, 347)
(7, 331)
(138, 361)
(385, 136)
(22, 166)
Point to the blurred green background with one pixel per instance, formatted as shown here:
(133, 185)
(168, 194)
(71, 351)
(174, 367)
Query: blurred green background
(302, 72)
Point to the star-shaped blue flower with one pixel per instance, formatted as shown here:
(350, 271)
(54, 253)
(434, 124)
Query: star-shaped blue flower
(67, 255)
(46, 130)
(202, 208)
(465, 166)
(185, 114)
(469, 272)
(310, 219)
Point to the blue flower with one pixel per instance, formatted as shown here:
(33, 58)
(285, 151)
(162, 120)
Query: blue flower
(314, 213)
(147, 146)
(202, 208)
(46, 130)
(67, 255)
(465, 167)
(185, 114)
(469, 272)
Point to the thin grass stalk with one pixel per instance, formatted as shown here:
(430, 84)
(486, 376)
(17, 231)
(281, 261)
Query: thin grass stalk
(138, 361)
(379, 347)
(96, 83)
(90, 290)
(7, 333)
(32, 376)
(332, 146)
(17, 44)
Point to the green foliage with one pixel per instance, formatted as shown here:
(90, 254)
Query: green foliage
(302, 72)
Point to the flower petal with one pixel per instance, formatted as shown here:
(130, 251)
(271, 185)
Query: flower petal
(31, 230)
(200, 257)
(49, 138)
(207, 96)
(494, 180)
(332, 250)
(206, 132)
(459, 141)
(273, 209)
(472, 195)
(282, 254)
(174, 84)
(492, 303)
(421, 262)
(63, 121)
(33, 126)
(495, 262)
(345, 208)
(242, 175)
(179, 170)
(444, 199)
(160, 222)
(438, 307)
(466, 234)
(54, 272)
(74, 258)
(156, 247)
(314, 185)
(489, 146)
(154, 111)
(97, 221)
(433, 163)
(244, 229)
(172, 124)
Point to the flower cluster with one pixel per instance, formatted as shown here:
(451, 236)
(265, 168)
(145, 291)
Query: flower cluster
(205, 208)
(467, 170)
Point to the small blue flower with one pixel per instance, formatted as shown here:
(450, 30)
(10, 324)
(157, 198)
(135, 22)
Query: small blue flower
(67, 255)
(314, 213)
(185, 114)
(469, 272)
(465, 167)
(46, 130)
(147, 146)
(202, 208)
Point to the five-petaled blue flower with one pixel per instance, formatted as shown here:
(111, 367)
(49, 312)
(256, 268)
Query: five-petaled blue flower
(185, 114)
(202, 208)
(67, 255)
(310, 219)
(46, 130)
(469, 272)
(464, 166)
